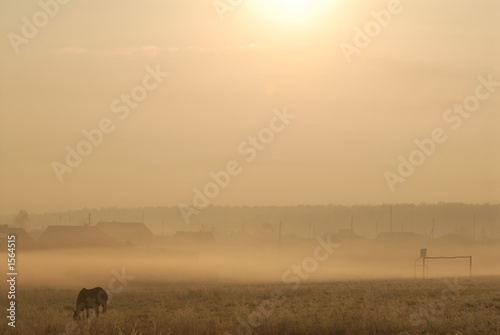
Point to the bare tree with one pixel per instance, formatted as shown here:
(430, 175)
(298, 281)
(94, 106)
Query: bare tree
(22, 219)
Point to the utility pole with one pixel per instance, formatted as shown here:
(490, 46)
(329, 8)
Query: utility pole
(390, 221)
(432, 231)
(474, 230)
(279, 237)
(352, 231)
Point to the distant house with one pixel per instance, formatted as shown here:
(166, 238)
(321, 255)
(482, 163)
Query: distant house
(265, 231)
(347, 234)
(36, 233)
(74, 236)
(237, 238)
(159, 240)
(344, 236)
(127, 232)
(23, 239)
(406, 239)
(193, 238)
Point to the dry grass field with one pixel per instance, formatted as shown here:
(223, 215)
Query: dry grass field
(432, 306)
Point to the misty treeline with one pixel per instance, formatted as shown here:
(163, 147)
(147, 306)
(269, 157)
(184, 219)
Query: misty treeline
(483, 220)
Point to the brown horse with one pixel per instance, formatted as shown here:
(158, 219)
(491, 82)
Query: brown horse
(92, 298)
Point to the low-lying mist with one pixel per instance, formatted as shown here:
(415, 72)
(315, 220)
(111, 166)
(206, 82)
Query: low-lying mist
(312, 261)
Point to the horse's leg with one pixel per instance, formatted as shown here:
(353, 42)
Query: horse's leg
(87, 312)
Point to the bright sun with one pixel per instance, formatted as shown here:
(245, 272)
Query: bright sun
(293, 7)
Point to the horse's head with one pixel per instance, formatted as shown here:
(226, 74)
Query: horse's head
(76, 315)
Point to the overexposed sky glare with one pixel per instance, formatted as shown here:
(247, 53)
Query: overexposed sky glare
(225, 78)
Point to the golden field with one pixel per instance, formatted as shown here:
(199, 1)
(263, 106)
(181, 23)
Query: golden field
(391, 306)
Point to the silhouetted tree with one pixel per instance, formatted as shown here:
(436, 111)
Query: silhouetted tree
(22, 219)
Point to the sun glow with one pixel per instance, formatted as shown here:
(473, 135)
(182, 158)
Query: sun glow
(291, 11)
(293, 7)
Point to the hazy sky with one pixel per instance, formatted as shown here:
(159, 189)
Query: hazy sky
(225, 77)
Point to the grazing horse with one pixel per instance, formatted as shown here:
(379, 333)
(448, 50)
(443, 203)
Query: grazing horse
(92, 298)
